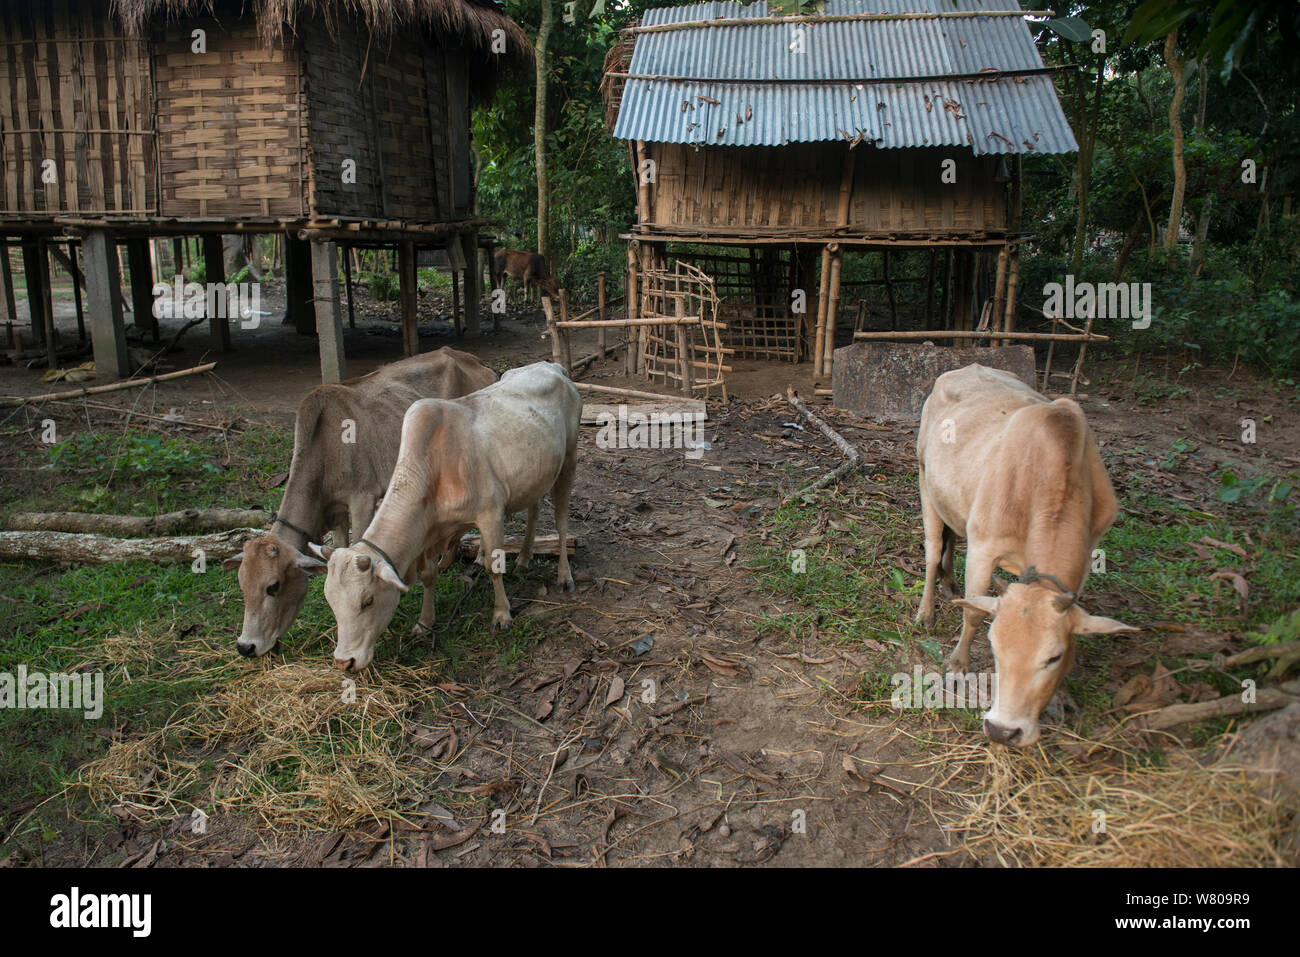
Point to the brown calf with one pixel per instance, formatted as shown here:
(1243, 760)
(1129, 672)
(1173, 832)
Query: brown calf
(527, 268)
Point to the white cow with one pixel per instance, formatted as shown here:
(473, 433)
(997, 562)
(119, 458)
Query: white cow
(464, 463)
(1021, 479)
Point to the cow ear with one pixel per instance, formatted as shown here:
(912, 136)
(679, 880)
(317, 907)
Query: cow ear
(230, 564)
(321, 551)
(386, 573)
(1086, 624)
(982, 603)
(312, 566)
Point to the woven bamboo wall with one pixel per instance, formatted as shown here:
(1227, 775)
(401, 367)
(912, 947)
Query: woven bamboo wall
(797, 187)
(75, 91)
(405, 122)
(229, 123)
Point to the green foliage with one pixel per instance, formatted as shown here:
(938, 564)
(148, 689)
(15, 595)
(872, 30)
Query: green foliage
(382, 284)
(136, 455)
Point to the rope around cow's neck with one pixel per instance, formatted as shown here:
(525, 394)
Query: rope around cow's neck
(384, 555)
(1031, 575)
(276, 518)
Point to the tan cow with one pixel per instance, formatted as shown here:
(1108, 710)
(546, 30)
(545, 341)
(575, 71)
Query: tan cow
(1021, 479)
(464, 463)
(527, 268)
(345, 443)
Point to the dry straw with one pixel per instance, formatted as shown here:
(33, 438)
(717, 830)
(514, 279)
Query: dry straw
(293, 742)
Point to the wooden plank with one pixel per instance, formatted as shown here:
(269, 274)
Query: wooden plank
(214, 266)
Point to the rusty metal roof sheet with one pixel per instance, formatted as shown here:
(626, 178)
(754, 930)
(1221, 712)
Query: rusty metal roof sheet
(897, 83)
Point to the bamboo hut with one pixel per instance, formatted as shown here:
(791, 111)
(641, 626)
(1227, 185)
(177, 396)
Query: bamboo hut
(328, 122)
(766, 147)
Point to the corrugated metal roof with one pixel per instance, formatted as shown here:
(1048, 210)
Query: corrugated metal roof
(745, 85)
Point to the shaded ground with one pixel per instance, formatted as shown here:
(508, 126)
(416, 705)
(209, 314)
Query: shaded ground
(695, 702)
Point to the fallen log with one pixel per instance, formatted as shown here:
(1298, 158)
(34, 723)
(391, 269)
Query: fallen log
(141, 526)
(8, 400)
(1286, 654)
(86, 549)
(1266, 700)
(853, 458)
(542, 545)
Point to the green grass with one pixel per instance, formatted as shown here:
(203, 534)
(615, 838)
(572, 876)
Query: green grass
(144, 473)
(139, 622)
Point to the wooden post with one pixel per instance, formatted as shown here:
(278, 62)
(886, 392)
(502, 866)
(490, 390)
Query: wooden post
(566, 349)
(600, 311)
(76, 292)
(556, 355)
(178, 258)
(408, 284)
(683, 347)
(298, 285)
(347, 285)
(104, 299)
(945, 301)
(329, 317)
(832, 306)
(7, 290)
(137, 259)
(455, 299)
(929, 288)
(35, 293)
(633, 309)
(889, 293)
(473, 282)
(214, 269)
(47, 308)
(999, 291)
(823, 290)
(642, 184)
(1009, 317)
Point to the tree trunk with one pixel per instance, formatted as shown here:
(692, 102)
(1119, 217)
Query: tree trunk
(1175, 66)
(75, 549)
(129, 526)
(1084, 169)
(539, 131)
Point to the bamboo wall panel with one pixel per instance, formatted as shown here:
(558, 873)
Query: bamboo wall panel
(385, 105)
(77, 92)
(230, 123)
(797, 187)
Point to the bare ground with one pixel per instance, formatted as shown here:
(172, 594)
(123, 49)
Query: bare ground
(717, 742)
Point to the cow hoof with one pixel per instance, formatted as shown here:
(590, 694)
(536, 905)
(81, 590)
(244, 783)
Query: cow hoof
(925, 619)
(522, 561)
(567, 584)
(501, 621)
(421, 630)
(947, 589)
(956, 666)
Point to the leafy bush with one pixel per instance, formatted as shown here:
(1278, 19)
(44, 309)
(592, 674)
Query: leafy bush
(382, 284)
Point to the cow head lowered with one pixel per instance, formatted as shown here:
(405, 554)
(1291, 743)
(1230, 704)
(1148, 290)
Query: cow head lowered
(1032, 634)
(273, 578)
(363, 591)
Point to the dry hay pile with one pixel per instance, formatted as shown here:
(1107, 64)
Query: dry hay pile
(1107, 804)
(292, 741)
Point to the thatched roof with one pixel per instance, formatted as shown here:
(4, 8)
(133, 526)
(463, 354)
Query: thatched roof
(470, 22)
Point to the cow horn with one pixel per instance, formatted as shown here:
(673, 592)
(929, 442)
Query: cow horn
(363, 562)
(1063, 602)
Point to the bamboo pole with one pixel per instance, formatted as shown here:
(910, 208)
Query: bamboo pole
(977, 334)
(15, 400)
(832, 307)
(547, 308)
(600, 309)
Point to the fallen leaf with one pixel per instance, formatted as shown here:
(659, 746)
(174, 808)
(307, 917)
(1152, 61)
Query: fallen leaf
(615, 691)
